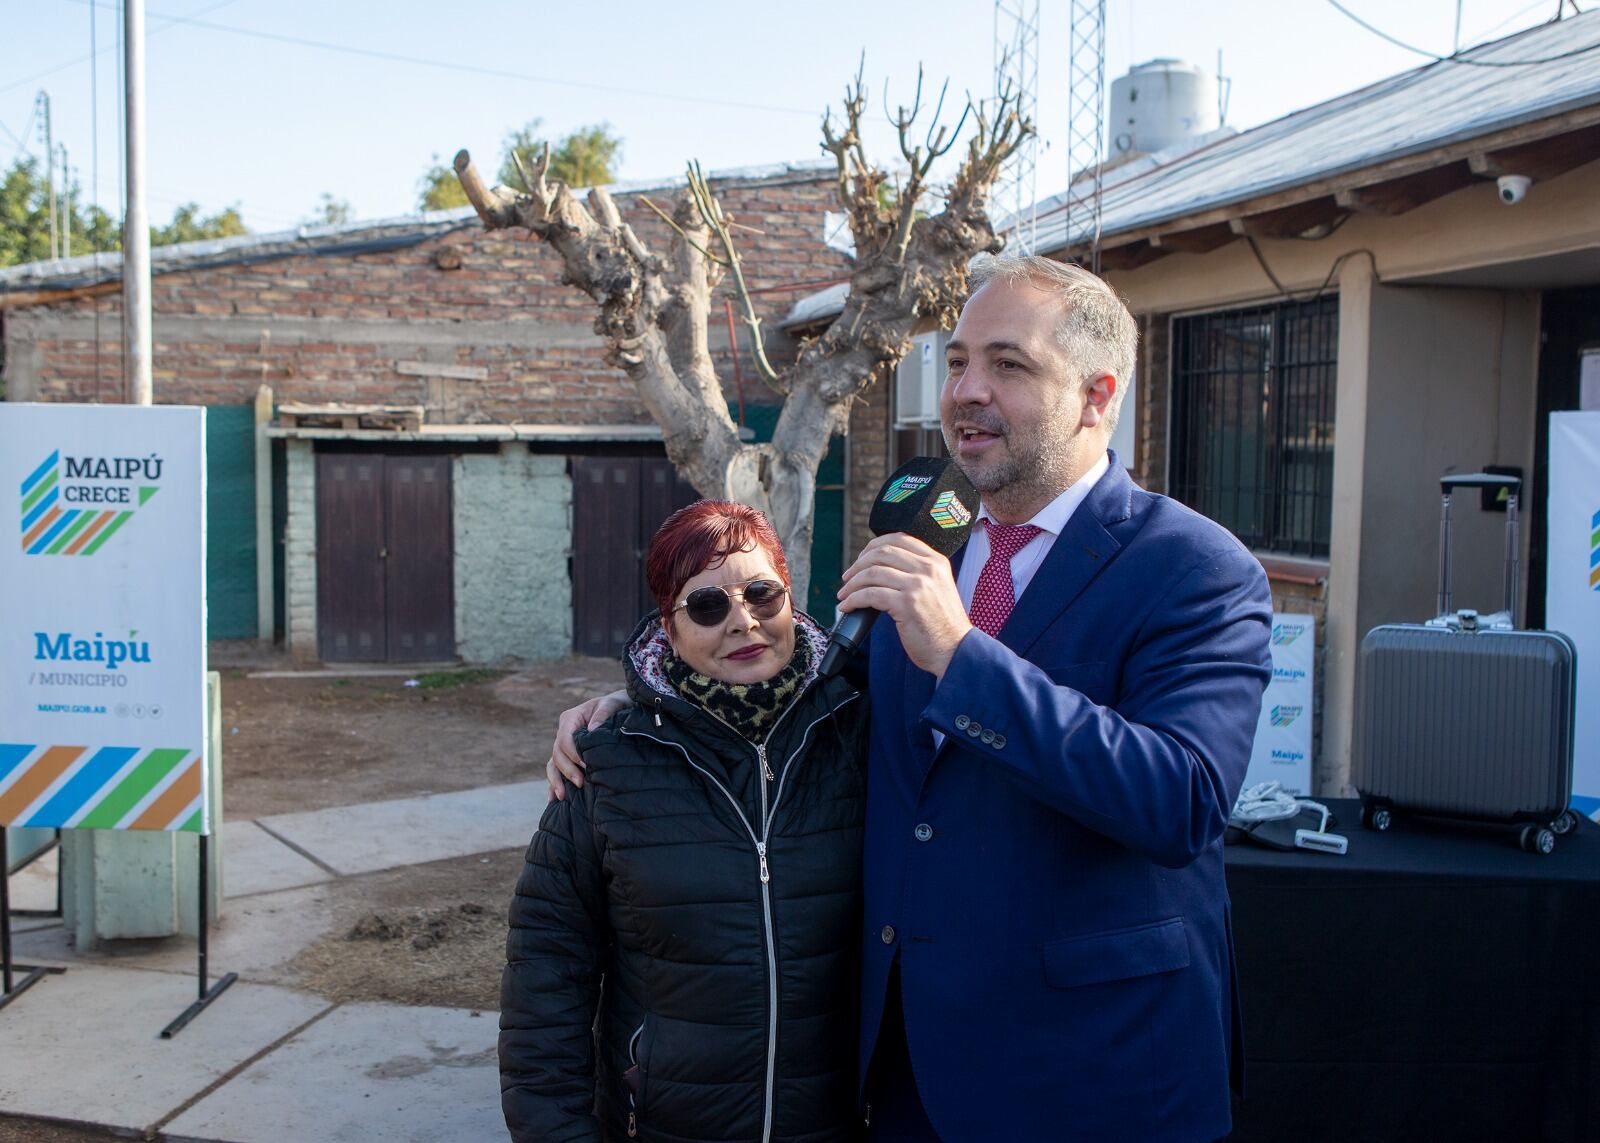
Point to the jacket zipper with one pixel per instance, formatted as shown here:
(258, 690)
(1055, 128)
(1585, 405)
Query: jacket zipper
(765, 872)
(633, 1103)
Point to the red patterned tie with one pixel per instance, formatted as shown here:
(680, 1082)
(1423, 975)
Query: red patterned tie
(995, 596)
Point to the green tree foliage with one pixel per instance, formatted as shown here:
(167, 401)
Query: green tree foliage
(330, 211)
(189, 225)
(586, 158)
(439, 189)
(25, 218)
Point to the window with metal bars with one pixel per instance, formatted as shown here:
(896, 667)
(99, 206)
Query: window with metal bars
(1252, 422)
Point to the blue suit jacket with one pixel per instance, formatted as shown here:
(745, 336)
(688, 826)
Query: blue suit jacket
(1063, 931)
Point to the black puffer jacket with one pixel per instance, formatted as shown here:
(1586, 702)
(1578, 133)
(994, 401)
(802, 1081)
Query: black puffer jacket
(721, 912)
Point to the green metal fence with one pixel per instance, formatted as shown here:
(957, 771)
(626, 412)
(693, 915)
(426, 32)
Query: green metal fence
(230, 522)
(827, 536)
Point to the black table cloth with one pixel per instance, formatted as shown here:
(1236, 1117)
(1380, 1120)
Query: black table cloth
(1436, 982)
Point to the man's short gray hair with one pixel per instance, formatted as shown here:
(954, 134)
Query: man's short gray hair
(1096, 330)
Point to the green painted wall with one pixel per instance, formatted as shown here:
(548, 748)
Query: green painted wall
(230, 522)
(827, 536)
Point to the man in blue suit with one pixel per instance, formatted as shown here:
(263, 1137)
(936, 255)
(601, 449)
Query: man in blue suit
(1061, 721)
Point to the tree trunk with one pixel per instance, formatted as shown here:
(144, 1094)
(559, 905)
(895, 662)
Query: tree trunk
(653, 311)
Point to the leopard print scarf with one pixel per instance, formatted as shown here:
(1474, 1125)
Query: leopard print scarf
(750, 708)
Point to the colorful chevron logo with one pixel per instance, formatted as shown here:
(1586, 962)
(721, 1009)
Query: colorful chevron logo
(49, 529)
(1285, 633)
(1594, 551)
(949, 512)
(114, 787)
(1284, 715)
(904, 487)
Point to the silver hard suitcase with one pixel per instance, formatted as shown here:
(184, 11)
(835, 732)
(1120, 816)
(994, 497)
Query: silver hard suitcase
(1465, 716)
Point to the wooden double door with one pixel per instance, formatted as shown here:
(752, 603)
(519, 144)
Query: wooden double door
(385, 572)
(618, 502)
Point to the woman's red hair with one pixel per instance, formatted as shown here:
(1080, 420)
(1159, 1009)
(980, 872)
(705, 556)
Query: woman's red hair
(705, 533)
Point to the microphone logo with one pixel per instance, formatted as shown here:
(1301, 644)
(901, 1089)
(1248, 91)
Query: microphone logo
(905, 487)
(949, 512)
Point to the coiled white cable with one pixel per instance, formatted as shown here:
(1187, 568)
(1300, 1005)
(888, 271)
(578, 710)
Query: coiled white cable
(1265, 802)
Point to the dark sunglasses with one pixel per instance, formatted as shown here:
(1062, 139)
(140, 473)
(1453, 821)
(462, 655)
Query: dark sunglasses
(708, 606)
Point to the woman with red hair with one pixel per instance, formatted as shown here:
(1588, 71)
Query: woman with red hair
(682, 957)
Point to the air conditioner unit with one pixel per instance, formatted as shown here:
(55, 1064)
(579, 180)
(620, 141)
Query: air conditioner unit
(917, 380)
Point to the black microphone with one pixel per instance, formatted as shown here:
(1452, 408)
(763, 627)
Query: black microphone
(928, 497)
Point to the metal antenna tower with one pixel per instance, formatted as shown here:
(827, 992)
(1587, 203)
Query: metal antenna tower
(1086, 89)
(1016, 65)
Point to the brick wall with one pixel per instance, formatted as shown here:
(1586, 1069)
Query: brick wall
(869, 444)
(300, 551)
(339, 326)
(1153, 398)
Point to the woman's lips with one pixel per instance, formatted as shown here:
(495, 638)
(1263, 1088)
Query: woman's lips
(745, 653)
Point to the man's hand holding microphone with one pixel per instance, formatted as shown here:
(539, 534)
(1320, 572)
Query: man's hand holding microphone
(919, 519)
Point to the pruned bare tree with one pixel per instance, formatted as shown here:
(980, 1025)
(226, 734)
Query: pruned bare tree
(654, 308)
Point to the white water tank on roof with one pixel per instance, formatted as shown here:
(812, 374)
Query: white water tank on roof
(1159, 104)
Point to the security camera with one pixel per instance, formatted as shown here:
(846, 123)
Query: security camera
(1513, 188)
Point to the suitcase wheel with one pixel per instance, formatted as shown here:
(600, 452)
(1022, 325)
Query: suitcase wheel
(1538, 839)
(1376, 817)
(1565, 824)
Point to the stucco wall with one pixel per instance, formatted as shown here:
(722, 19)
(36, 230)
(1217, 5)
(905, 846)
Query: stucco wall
(513, 537)
(1429, 380)
(1451, 387)
(300, 551)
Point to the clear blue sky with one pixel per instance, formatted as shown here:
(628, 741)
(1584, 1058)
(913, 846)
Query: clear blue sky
(236, 117)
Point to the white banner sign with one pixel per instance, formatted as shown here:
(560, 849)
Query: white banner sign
(1282, 751)
(102, 618)
(1572, 582)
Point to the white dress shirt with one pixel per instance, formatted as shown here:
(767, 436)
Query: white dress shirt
(1052, 519)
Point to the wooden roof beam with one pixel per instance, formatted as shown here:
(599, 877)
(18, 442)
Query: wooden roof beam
(1566, 123)
(1288, 221)
(1131, 256)
(1396, 196)
(1200, 240)
(1540, 160)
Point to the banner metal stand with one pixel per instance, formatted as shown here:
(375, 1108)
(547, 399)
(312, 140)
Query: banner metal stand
(205, 995)
(10, 988)
(29, 860)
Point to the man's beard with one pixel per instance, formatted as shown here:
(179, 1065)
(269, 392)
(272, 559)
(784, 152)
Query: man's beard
(1029, 468)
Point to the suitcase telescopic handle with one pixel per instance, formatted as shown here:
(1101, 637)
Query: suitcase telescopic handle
(1513, 489)
(1453, 480)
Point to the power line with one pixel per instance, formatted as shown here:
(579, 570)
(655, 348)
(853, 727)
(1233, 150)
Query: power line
(172, 22)
(470, 69)
(1513, 18)
(22, 140)
(1458, 59)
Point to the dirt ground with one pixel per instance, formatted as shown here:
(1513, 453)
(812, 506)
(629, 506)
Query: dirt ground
(16, 1130)
(310, 743)
(427, 934)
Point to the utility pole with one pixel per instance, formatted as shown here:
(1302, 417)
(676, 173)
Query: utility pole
(135, 216)
(41, 105)
(66, 205)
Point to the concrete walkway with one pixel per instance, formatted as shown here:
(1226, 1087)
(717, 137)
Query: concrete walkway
(263, 1062)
